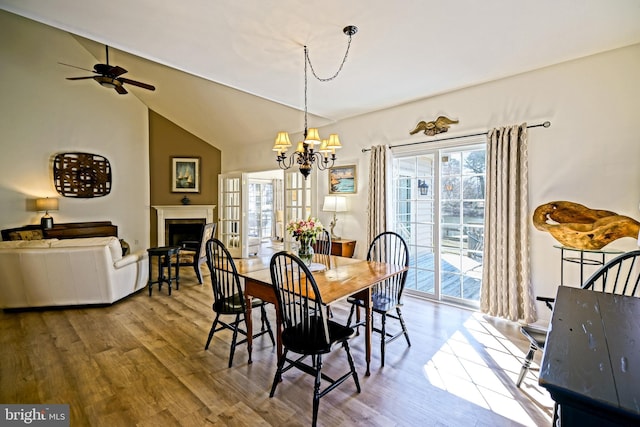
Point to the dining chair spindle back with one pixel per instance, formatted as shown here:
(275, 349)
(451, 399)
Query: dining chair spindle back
(228, 297)
(386, 296)
(306, 331)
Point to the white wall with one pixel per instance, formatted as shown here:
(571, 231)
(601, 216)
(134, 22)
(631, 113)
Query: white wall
(42, 114)
(589, 155)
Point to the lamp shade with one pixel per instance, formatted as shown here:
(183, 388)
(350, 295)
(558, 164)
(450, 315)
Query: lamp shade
(46, 204)
(324, 147)
(335, 204)
(334, 141)
(313, 137)
(282, 142)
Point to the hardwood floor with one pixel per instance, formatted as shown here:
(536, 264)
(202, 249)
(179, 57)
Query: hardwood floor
(142, 362)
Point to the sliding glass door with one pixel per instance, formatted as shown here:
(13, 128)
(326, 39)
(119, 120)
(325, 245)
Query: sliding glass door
(439, 210)
(416, 217)
(462, 192)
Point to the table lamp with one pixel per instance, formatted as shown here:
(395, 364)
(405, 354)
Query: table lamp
(46, 205)
(334, 204)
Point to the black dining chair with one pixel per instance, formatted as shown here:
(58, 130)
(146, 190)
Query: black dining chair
(228, 297)
(323, 243)
(386, 296)
(322, 249)
(306, 331)
(619, 276)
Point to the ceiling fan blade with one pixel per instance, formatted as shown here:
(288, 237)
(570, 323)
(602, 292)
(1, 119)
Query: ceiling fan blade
(139, 84)
(121, 90)
(74, 66)
(79, 78)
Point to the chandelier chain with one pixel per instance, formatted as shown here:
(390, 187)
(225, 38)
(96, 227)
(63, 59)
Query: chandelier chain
(307, 60)
(305, 91)
(305, 155)
(313, 71)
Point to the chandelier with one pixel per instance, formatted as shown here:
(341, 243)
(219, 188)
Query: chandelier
(311, 150)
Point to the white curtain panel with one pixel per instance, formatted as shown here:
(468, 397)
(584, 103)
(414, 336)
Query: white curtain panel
(506, 285)
(377, 203)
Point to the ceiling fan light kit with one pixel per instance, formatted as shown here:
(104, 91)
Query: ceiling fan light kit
(107, 81)
(109, 76)
(306, 153)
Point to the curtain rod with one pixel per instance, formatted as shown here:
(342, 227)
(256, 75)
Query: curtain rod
(545, 124)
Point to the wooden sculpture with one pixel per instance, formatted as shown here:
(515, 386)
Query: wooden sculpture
(439, 125)
(577, 226)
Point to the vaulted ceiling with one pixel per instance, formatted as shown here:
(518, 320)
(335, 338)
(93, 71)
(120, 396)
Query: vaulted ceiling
(231, 72)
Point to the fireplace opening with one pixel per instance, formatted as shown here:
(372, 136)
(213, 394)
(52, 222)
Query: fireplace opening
(180, 230)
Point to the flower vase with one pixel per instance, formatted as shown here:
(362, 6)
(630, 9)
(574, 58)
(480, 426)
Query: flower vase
(305, 251)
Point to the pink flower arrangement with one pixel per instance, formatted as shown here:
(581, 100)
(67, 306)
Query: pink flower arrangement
(308, 229)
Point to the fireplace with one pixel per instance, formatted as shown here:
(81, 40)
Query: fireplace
(190, 216)
(180, 230)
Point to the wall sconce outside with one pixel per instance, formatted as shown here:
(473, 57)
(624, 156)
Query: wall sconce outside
(423, 187)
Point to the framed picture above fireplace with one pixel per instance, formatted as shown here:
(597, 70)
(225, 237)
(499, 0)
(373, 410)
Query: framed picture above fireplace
(185, 175)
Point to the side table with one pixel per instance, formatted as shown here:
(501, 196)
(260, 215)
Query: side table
(343, 247)
(163, 255)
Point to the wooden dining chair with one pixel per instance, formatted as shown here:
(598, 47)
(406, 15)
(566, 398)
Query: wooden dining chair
(193, 253)
(306, 331)
(386, 296)
(228, 297)
(619, 276)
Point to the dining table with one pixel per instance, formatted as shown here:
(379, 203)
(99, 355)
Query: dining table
(337, 278)
(591, 358)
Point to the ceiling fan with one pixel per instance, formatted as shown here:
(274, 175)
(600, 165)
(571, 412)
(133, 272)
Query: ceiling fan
(109, 76)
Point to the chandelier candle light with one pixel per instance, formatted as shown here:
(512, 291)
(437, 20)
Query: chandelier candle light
(306, 153)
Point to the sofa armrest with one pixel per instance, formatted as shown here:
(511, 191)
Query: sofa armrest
(130, 259)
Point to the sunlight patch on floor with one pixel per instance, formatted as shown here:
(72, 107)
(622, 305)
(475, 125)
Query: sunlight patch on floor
(485, 377)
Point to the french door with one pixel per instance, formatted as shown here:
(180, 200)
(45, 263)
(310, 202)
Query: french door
(439, 197)
(232, 222)
(297, 200)
(233, 208)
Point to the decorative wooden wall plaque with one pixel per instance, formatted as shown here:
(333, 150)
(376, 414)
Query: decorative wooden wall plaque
(82, 175)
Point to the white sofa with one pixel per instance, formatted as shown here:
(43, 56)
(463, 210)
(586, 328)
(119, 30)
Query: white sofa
(83, 271)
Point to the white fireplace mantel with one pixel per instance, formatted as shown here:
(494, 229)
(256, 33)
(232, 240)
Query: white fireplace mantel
(181, 212)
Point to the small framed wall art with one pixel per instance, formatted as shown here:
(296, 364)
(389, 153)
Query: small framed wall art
(343, 180)
(185, 175)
